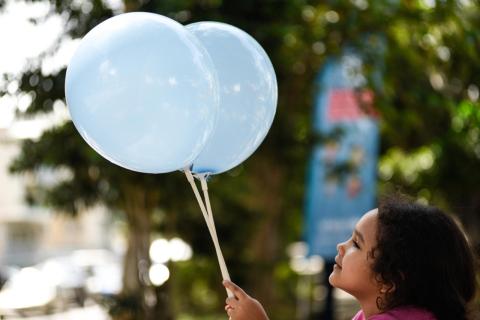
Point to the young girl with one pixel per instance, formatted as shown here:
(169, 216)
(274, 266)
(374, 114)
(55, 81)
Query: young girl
(403, 261)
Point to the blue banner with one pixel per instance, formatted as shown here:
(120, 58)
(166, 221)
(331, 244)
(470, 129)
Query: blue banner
(341, 184)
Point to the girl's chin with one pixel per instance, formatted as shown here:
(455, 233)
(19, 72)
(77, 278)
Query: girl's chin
(331, 278)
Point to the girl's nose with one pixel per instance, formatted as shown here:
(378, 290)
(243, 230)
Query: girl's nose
(341, 248)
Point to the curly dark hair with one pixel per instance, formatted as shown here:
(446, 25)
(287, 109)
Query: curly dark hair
(426, 259)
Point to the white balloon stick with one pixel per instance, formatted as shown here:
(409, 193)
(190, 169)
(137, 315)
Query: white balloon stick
(221, 260)
(207, 215)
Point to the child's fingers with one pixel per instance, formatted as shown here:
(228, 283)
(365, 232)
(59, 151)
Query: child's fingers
(232, 302)
(229, 311)
(236, 290)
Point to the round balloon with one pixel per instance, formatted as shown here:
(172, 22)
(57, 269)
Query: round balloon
(143, 92)
(248, 96)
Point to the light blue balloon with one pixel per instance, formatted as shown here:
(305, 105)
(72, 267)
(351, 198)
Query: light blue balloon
(143, 92)
(248, 96)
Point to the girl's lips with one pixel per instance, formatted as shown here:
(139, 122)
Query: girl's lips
(337, 263)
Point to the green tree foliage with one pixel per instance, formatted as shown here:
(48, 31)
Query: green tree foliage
(427, 95)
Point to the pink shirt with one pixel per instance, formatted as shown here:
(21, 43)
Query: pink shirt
(402, 313)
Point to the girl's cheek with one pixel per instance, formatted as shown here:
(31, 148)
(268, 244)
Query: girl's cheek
(349, 249)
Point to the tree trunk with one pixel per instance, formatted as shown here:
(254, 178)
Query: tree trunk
(140, 300)
(265, 243)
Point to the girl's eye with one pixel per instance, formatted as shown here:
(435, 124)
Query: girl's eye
(355, 244)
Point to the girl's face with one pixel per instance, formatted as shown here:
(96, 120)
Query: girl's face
(352, 271)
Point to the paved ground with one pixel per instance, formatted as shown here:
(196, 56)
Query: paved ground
(90, 312)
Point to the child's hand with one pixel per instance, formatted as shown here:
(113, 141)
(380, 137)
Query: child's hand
(242, 306)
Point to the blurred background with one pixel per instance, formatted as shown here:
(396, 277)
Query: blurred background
(374, 97)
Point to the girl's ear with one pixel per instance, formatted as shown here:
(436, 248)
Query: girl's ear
(387, 288)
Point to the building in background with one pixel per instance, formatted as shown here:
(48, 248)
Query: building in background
(29, 234)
